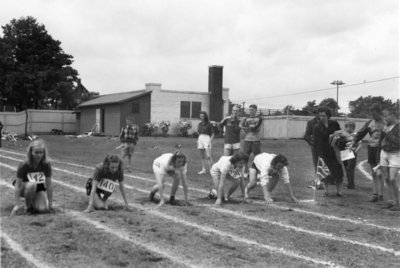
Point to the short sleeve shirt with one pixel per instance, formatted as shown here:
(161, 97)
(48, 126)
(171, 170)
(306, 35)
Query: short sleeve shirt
(25, 171)
(251, 122)
(164, 166)
(232, 130)
(263, 164)
(375, 130)
(225, 166)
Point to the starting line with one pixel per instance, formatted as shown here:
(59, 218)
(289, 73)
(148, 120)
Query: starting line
(316, 214)
(206, 229)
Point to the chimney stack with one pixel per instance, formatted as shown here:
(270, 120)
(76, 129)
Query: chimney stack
(215, 90)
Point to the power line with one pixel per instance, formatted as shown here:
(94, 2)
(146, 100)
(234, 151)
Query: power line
(317, 90)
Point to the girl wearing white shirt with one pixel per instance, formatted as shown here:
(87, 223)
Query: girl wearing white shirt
(228, 167)
(271, 168)
(174, 165)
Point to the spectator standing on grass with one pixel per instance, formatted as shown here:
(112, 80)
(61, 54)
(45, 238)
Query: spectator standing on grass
(322, 133)
(271, 169)
(105, 177)
(350, 165)
(390, 154)
(251, 126)
(309, 138)
(34, 180)
(232, 132)
(129, 137)
(204, 142)
(229, 168)
(374, 128)
(174, 165)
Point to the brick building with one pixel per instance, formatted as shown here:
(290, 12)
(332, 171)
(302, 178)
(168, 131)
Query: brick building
(106, 113)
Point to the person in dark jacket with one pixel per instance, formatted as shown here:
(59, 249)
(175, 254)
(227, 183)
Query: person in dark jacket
(309, 138)
(390, 154)
(322, 132)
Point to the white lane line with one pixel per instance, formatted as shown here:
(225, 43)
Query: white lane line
(118, 233)
(363, 171)
(315, 214)
(26, 255)
(207, 229)
(262, 220)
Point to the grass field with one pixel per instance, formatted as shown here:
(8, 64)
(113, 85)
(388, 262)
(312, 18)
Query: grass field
(330, 231)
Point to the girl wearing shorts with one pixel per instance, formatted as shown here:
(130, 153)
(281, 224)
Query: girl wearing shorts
(390, 154)
(231, 168)
(206, 135)
(174, 165)
(105, 176)
(271, 169)
(34, 180)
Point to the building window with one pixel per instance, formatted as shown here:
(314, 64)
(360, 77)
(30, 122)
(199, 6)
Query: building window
(135, 108)
(196, 109)
(190, 109)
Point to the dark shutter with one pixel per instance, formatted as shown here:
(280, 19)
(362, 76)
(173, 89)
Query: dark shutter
(196, 109)
(185, 109)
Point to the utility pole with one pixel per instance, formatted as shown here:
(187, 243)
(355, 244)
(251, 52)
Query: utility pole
(337, 83)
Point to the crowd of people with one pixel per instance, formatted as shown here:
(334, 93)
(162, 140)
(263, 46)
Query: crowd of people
(246, 167)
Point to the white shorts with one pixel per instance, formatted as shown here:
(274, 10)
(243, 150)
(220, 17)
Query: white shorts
(232, 146)
(390, 159)
(204, 142)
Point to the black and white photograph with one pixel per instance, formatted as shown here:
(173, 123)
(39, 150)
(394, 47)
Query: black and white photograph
(199, 133)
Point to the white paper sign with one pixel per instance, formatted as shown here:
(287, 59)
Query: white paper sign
(346, 155)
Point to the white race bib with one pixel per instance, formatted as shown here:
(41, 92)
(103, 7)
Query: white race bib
(37, 177)
(106, 185)
(236, 174)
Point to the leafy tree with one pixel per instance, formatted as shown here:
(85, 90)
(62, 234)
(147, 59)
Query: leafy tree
(33, 67)
(330, 103)
(359, 108)
(310, 107)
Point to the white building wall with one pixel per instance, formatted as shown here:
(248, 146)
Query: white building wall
(166, 105)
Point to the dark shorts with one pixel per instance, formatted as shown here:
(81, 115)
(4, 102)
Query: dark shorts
(103, 194)
(373, 156)
(252, 147)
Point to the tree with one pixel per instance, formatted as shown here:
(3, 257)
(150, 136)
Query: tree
(330, 103)
(359, 108)
(310, 107)
(33, 67)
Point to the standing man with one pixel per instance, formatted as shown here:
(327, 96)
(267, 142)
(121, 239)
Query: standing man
(251, 127)
(232, 132)
(129, 137)
(374, 128)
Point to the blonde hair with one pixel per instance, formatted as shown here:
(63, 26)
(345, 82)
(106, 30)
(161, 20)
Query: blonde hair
(34, 144)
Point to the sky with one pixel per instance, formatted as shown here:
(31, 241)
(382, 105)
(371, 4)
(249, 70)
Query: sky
(268, 48)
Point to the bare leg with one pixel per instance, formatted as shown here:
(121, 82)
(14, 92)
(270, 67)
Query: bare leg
(252, 182)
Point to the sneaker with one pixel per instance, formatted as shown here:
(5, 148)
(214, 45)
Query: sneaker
(374, 199)
(389, 206)
(395, 208)
(201, 172)
(173, 202)
(213, 194)
(151, 196)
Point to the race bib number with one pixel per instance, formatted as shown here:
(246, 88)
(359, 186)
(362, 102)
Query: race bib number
(106, 185)
(235, 174)
(37, 177)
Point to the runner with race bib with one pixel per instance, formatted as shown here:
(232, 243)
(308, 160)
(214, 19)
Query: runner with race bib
(105, 178)
(34, 180)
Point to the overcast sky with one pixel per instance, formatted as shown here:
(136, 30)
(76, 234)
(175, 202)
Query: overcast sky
(267, 47)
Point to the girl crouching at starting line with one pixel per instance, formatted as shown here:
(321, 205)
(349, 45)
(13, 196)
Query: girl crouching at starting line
(34, 180)
(105, 176)
(231, 168)
(174, 165)
(271, 168)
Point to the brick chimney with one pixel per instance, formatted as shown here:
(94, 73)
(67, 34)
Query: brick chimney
(215, 89)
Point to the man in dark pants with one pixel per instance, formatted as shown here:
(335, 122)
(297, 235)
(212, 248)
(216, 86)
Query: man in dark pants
(308, 137)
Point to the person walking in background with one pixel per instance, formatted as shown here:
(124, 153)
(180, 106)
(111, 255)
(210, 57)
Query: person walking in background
(105, 176)
(232, 132)
(34, 180)
(390, 154)
(204, 142)
(251, 127)
(129, 137)
(374, 128)
(322, 132)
